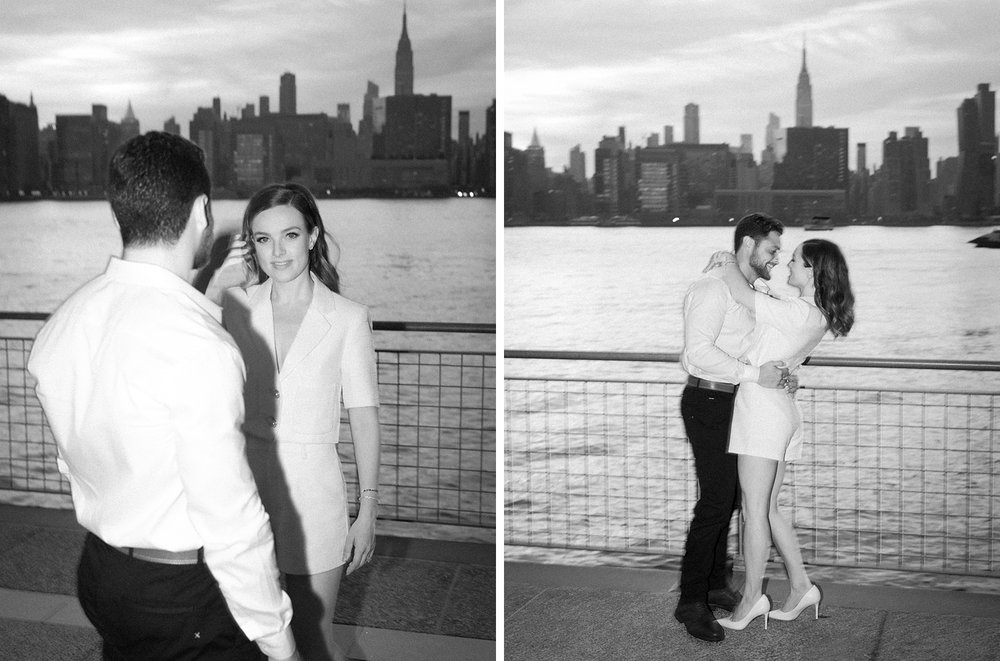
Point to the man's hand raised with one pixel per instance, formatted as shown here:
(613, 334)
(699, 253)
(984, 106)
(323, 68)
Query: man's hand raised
(773, 375)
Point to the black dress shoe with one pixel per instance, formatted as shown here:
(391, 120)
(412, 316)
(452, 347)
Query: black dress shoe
(724, 598)
(699, 621)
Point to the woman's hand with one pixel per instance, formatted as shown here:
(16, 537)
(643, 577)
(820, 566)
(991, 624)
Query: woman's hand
(719, 259)
(232, 272)
(360, 546)
(239, 251)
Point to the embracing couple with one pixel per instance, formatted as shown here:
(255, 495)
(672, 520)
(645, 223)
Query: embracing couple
(741, 347)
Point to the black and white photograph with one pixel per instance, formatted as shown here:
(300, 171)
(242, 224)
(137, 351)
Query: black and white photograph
(534, 330)
(750, 330)
(248, 330)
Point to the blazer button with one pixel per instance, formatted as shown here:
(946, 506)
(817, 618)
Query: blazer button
(274, 423)
(277, 394)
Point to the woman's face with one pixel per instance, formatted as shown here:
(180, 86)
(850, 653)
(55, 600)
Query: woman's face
(799, 275)
(281, 242)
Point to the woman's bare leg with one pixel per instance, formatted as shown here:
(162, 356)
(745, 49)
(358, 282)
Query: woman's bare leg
(757, 475)
(314, 596)
(787, 544)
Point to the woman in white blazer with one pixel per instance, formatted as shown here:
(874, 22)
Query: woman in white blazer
(306, 347)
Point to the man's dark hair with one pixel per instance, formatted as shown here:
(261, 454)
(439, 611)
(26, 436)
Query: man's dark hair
(757, 226)
(153, 180)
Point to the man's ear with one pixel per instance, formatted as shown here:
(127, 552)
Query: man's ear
(199, 214)
(747, 242)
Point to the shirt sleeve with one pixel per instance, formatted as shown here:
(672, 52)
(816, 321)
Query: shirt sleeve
(788, 315)
(705, 308)
(222, 499)
(359, 372)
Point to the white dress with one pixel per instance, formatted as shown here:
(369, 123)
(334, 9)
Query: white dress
(292, 423)
(766, 421)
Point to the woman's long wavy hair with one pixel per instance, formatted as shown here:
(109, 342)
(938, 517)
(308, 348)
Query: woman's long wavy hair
(299, 198)
(833, 284)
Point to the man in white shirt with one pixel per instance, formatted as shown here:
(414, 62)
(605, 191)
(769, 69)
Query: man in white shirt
(143, 390)
(716, 331)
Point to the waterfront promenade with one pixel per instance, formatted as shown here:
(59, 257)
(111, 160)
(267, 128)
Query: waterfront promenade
(556, 613)
(419, 600)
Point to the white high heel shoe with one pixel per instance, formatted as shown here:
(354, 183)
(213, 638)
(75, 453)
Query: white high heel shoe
(762, 607)
(810, 598)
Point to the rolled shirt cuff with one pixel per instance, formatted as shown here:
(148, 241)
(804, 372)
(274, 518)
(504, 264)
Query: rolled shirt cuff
(280, 645)
(748, 373)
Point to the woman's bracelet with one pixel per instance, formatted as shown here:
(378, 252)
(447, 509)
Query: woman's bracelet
(369, 494)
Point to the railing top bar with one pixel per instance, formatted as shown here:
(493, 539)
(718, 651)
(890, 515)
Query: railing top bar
(434, 327)
(412, 326)
(667, 382)
(819, 361)
(634, 357)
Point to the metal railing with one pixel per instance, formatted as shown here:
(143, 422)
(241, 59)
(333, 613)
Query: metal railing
(437, 415)
(889, 479)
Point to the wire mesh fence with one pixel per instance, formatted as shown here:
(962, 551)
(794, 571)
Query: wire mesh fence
(888, 479)
(438, 425)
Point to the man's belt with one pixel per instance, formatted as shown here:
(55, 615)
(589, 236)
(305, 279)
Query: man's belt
(195, 557)
(705, 384)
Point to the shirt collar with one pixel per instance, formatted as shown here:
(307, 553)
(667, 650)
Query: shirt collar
(151, 275)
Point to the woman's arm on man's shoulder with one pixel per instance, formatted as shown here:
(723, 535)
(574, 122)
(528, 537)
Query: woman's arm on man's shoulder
(724, 264)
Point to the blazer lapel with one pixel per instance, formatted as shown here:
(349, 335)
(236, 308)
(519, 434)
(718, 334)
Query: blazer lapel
(262, 319)
(315, 326)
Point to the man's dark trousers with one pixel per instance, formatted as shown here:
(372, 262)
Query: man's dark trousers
(147, 610)
(707, 416)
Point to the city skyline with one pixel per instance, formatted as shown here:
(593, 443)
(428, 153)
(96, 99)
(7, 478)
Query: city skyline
(169, 60)
(575, 72)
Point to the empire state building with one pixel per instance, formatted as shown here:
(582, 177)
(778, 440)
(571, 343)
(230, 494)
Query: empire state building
(803, 96)
(404, 63)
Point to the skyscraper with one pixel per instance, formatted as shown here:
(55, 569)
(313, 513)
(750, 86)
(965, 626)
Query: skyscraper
(417, 127)
(774, 137)
(691, 124)
(535, 161)
(130, 125)
(463, 162)
(286, 95)
(404, 63)
(816, 160)
(803, 96)
(19, 140)
(905, 173)
(171, 126)
(578, 165)
(977, 149)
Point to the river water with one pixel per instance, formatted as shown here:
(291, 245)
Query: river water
(922, 292)
(426, 260)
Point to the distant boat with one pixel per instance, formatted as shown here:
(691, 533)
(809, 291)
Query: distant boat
(991, 240)
(818, 224)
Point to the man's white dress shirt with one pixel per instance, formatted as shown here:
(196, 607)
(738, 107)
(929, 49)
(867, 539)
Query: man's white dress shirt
(716, 328)
(143, 389)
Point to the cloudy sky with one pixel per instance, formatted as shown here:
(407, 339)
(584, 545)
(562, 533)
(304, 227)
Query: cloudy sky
(578, 69)
(169, 58)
